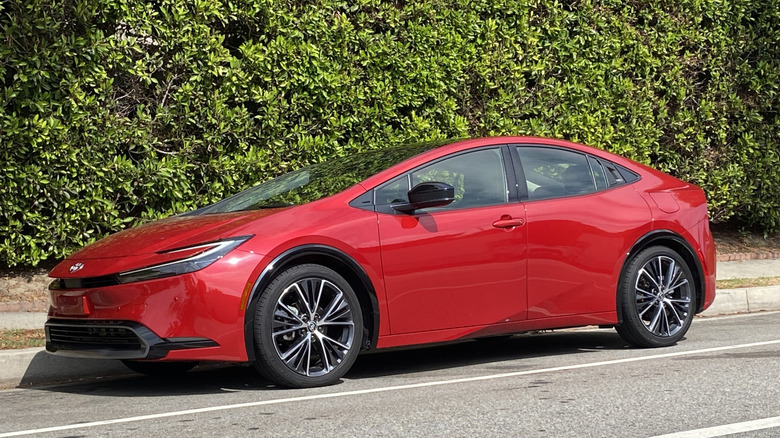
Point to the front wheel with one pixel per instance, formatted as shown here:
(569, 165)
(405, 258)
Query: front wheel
(657, 298)
(308, 327)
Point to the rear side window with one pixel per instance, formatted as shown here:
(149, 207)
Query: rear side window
(614, 177)
(628, 175)
(598, 173)
(553, 173)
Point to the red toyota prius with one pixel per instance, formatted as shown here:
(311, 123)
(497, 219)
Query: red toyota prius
(405, 245)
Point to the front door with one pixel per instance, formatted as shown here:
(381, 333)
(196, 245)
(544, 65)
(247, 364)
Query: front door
(462, 265)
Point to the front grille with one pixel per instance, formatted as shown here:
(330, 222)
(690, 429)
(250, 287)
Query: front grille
(107, 339)
(77, 338)
(111, 339)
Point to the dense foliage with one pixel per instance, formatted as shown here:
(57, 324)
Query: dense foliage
(118, 111)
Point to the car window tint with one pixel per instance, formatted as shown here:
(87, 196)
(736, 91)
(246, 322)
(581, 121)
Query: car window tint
(394, 192)
(598, 173)
(478, 179)
(552, 173)
(628, 175)
(614, 178)
(318, 180)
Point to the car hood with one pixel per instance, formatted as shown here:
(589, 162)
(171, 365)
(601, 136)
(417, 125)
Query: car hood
(138, 246)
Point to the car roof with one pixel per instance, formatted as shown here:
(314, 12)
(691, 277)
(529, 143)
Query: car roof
(466, 144)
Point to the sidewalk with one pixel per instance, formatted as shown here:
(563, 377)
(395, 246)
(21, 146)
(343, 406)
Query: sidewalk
(748, 269)
(22, 320)
(33, 366)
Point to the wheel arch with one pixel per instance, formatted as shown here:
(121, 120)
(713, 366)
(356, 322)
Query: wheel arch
(332, 258)
(678, 244)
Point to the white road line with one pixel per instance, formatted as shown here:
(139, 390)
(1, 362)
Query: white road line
(726, 429)
(383, 389)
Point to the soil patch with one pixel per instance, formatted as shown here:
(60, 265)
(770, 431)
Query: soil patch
(729, 239)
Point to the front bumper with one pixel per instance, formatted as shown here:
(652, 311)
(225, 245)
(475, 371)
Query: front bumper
(195, 316)
(99, 339)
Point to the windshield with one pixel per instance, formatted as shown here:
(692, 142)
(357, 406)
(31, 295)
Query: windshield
(319, 180)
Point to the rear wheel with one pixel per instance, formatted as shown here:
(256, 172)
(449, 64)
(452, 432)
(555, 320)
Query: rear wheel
(657, 298)
(308, 327)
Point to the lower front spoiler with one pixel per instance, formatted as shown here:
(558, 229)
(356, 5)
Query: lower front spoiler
(104, 339)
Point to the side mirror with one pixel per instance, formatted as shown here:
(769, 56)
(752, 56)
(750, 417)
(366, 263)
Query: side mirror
(427, 194)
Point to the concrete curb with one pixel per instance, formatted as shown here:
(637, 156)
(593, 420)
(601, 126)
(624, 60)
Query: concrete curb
(33, 366)
(745, 300)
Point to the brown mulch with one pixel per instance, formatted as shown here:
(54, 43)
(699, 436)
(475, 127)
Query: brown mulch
(735, 244)
(12, 339)
(32, 303)
(20, 288)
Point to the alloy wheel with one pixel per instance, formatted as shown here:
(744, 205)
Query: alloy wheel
(313, 326)
(663, 296)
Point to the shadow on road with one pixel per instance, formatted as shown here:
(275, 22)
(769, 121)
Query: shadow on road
(494, 351)
(497, 352)
(205, 379)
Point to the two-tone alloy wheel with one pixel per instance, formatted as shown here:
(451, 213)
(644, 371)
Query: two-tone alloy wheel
(308, 327)
(657, 298)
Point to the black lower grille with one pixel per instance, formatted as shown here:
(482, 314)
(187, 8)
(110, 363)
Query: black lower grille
(109, 339)
(81, 337)
(98, 339)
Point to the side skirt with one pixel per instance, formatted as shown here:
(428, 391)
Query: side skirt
(558, 322)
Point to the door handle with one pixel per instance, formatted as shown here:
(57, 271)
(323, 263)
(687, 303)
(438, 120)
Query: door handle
(508, 222)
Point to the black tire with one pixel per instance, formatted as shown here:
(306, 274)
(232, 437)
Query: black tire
(308, 327)
(657, 307)
(159, 369)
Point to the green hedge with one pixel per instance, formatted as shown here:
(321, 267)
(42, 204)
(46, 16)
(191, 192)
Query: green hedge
(114, 112)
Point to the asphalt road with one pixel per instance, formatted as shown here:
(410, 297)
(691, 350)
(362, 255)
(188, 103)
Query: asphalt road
(576, 383)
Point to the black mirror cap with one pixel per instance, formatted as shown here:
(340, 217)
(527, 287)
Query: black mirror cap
(428, 194)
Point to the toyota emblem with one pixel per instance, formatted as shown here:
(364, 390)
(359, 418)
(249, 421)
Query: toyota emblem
(76, 267)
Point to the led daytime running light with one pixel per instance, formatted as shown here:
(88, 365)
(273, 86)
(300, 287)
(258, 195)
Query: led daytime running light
(186, 265)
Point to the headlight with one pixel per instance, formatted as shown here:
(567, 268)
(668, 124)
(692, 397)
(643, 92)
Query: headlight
(194, 258)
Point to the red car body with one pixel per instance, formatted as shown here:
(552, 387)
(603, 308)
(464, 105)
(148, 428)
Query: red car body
(420, 278)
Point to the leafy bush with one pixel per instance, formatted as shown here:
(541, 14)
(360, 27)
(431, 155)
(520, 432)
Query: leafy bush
(114, 112)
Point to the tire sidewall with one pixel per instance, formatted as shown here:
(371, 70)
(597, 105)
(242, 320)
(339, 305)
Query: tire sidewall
(632, 323)
(268, 361)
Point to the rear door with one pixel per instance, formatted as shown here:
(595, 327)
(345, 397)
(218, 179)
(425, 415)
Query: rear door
(582, 217)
